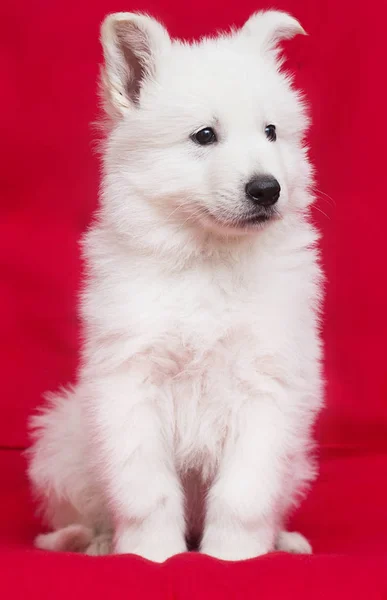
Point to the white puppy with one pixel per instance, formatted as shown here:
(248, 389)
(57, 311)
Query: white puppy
(200, 375)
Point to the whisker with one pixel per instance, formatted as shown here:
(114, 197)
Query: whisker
(321, 211)
(192, 217)
(323, 196)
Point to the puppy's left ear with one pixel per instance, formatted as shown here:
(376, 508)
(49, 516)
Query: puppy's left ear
(132, 45)
(269, 28)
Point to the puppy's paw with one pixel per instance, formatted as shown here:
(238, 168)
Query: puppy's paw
(157, 548)
(73, 538)
(234, 545)
(293, 542)
(232, 554)
(101, 545)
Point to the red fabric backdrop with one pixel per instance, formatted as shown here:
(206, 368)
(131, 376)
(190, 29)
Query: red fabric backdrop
(49, 53)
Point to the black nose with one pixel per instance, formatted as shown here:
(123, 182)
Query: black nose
(263, 190)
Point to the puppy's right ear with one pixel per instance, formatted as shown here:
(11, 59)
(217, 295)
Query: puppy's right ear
(269, 27)
(132, 44)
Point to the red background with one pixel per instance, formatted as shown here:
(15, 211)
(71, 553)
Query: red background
(49, 55)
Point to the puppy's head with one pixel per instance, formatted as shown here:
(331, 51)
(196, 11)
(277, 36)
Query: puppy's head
(205, 136)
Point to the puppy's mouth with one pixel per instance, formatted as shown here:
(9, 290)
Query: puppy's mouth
(245, 222)
(255, 219)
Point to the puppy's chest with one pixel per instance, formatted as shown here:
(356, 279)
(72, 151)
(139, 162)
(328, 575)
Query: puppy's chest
(218, 330)
(210, 351)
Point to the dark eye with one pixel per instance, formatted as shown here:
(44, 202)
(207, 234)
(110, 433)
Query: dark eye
(204, 136)
(271, 133)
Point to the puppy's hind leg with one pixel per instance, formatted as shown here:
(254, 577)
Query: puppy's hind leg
(76, 538)
(293, 542)
(73, 538)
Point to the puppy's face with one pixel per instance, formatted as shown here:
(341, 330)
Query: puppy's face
(206, 135)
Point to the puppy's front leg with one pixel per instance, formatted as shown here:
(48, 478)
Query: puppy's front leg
(241, 518)
(134, 449)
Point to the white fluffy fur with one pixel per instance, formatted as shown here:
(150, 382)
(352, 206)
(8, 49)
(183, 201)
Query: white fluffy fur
(200, 379)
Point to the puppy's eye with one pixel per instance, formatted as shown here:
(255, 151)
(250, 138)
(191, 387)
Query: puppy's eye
(204, 136)
(271, 133)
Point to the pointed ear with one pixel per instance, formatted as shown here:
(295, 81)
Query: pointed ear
(270, 27)
(131, 45)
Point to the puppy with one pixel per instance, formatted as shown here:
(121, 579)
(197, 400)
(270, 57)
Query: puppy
(200, 381)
